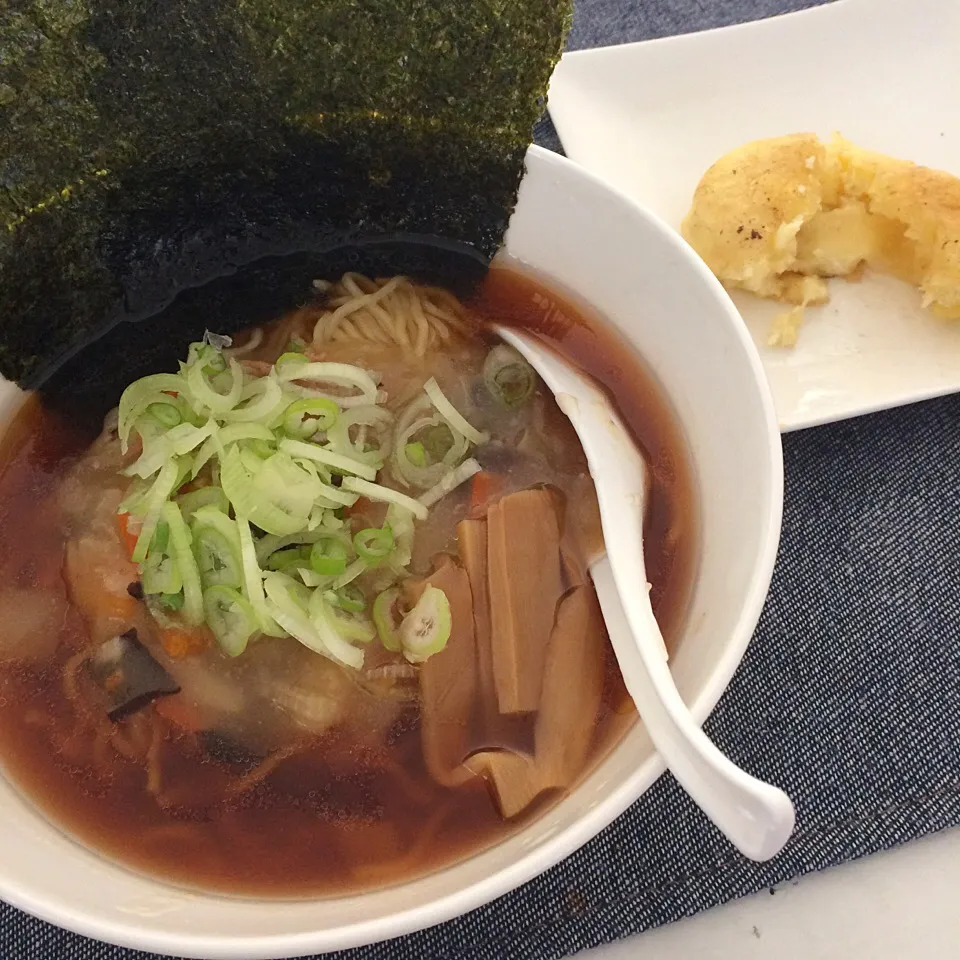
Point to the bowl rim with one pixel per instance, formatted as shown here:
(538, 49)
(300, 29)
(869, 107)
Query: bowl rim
(565, 842)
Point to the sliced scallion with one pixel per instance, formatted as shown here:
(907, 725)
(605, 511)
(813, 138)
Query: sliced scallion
(181, 549)
(328, 556)
(253, 578)
(375, 491)
(425, 630)
(202, 497)
(416, 453)
(153, 503)
(449, 412)
(349, 598)
(509, 378)
(255, 503)
(373, 544)
(353, 571)
(259, 401)
(140, 394)
(303, 418)
(160, 574)
(217, 557)
(289, 559)
(385, 619)
(318, 635)
(166, 414)
(344, 464)
(230, 617)
(451, 481)
(373, 442)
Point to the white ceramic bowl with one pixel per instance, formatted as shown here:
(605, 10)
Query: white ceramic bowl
(612, 254)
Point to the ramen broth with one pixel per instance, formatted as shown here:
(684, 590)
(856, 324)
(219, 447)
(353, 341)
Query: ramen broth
(259, 803)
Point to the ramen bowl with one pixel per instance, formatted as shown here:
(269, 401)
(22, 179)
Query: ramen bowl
(607, 252)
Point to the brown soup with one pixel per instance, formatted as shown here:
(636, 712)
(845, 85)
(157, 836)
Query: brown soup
(278, 772)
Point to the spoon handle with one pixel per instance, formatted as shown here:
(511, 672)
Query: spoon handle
(756, 817)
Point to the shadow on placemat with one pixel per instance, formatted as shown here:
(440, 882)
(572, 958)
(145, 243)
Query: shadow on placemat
(849, 698)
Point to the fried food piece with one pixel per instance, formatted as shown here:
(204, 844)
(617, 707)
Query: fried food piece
(777, 216)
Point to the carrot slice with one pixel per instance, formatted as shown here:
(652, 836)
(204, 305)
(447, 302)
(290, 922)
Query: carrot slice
(127, 536)
(483, 488)
(179, 643)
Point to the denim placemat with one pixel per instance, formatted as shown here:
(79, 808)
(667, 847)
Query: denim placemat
(849, 696)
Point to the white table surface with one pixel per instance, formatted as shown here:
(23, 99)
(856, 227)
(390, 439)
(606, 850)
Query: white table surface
(900, 905)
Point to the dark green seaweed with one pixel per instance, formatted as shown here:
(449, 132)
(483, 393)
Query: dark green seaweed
(147, 149)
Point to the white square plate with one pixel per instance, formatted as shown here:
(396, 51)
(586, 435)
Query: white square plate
(651, 117)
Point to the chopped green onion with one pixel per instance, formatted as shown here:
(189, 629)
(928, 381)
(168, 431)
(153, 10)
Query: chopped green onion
(349, 598)
(400, 521)
(214, 497)
(183, 553)
(449, 412)
(207, 355)
(217, 557)
(221, 439)
(161, 538)
(303, 418)
(134, 499)
(293, 367)
(328, 556)
(373, 417)
(269, 543)
(335, 625)
(284, 561)
(260, 400)
(177, 441)
(508, 376)
(160, 574)
(140, 394)
(339, 498)
(316, 633)
(203, 392)
(373, 544)
(349, 621)
(412, 463)
(172, 601)
(264, 449)
(255, 503)
(350, 574)
(166, 414)
(416, 453)
(210, 516)
(425, 630)
(253, 578)
(310, 451)
(385, 619)
(374, 491)
(153, 503)
(451, 481)
(310, 577)
(292, 357)
(230, 617)
(184, 468)
(251, 459)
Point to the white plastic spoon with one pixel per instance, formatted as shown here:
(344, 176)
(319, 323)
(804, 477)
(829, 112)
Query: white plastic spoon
(758, 818)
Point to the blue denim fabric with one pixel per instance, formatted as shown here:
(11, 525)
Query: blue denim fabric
(849, 696)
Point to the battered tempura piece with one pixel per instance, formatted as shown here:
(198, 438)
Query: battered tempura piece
(777, 216)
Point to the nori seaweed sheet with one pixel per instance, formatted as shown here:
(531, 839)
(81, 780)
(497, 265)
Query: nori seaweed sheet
(147, 149)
